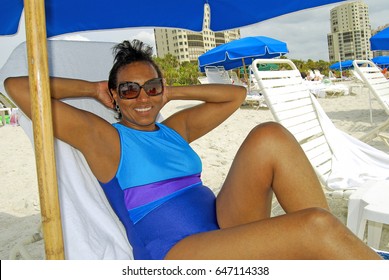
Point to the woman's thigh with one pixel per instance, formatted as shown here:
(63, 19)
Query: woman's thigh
(303, 234)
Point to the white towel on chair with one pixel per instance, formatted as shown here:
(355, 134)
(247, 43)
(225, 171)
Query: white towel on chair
(363, 162)
(90, 227)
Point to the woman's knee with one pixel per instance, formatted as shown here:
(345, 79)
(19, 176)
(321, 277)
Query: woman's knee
(321, 224)
(269, 135)
(269, 131)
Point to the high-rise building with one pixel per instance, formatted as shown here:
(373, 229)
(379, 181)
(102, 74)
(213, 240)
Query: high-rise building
(350, 32)
(187, 45)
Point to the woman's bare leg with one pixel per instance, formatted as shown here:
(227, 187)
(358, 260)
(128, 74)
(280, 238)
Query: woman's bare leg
(312, 233)
(269, 160)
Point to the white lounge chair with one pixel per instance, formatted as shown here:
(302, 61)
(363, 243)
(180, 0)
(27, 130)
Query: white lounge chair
(332, 76)
(342, 163)
(91, 229)
(318, 76)
(378, 86)
(217, 75)
(310, 76)
(235, 79)
(203, 80)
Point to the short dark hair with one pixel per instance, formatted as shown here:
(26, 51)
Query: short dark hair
(128, 52)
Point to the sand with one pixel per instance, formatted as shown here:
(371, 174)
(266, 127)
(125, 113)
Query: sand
(19, 207)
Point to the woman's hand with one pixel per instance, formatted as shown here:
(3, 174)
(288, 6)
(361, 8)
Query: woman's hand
(103, 94)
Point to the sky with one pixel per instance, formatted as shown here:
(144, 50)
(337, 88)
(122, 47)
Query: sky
(305, 32)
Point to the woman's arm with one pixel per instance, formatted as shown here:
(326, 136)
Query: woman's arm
(18, 88)
(220, 101)
(85, 131)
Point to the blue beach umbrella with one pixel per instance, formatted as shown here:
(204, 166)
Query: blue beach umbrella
(242, 52)
(54, 17)
(380, 41)
(342, 65)
(382, 61)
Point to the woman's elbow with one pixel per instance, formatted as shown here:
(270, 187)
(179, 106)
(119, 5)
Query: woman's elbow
(241, 93)
(17, 89)
(10, 85)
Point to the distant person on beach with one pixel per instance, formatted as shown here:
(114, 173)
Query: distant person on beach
(152, 177)
(385, 72)
(309, 76)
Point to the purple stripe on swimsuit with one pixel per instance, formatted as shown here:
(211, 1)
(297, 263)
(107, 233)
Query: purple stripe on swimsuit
(141, 195)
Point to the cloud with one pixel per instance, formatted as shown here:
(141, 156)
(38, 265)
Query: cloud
(72, 37)
(305, 32)
(378, 10)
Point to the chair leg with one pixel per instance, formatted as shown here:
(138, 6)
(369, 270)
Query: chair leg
(362, 226)
(374, 234)
(376, 216)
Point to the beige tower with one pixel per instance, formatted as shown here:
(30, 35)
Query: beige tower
(187, 45)
(350, 32)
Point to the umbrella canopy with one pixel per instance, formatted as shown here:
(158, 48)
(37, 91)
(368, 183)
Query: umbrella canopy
(242, 52)
(380, 41)
(342, 65)
(75, 15)
(53, 17)
(382, 61)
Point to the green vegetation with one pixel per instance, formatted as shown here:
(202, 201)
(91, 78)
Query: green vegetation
(187, 72)
(176, 73)
(304, 66)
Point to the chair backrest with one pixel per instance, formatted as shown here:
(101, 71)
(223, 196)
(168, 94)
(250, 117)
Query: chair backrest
(203, 80)
(355, 76)
(217, 75)
(311, 75)
(318, 74)
(290, 102)
(375, 80)
(331, 75)
(235, 79)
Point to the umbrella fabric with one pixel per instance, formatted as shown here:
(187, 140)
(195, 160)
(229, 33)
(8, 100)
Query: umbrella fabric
(81, 15)
(343, 65)
(231, 55)
(380, 41)
(382, 61)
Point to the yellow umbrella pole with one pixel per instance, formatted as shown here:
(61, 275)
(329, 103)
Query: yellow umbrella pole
(43, 127)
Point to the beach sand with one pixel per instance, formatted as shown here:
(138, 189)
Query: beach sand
(19, 207)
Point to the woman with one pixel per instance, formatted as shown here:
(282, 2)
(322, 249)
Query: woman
(152, 177)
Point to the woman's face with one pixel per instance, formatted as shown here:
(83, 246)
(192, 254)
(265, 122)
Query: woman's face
(141, 112)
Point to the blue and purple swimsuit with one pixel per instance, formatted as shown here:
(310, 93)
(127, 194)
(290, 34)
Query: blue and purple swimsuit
(157, 192)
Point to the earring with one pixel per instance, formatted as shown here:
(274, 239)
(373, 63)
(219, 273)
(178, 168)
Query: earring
(117, 108)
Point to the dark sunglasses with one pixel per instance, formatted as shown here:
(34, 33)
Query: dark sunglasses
(131, 90)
